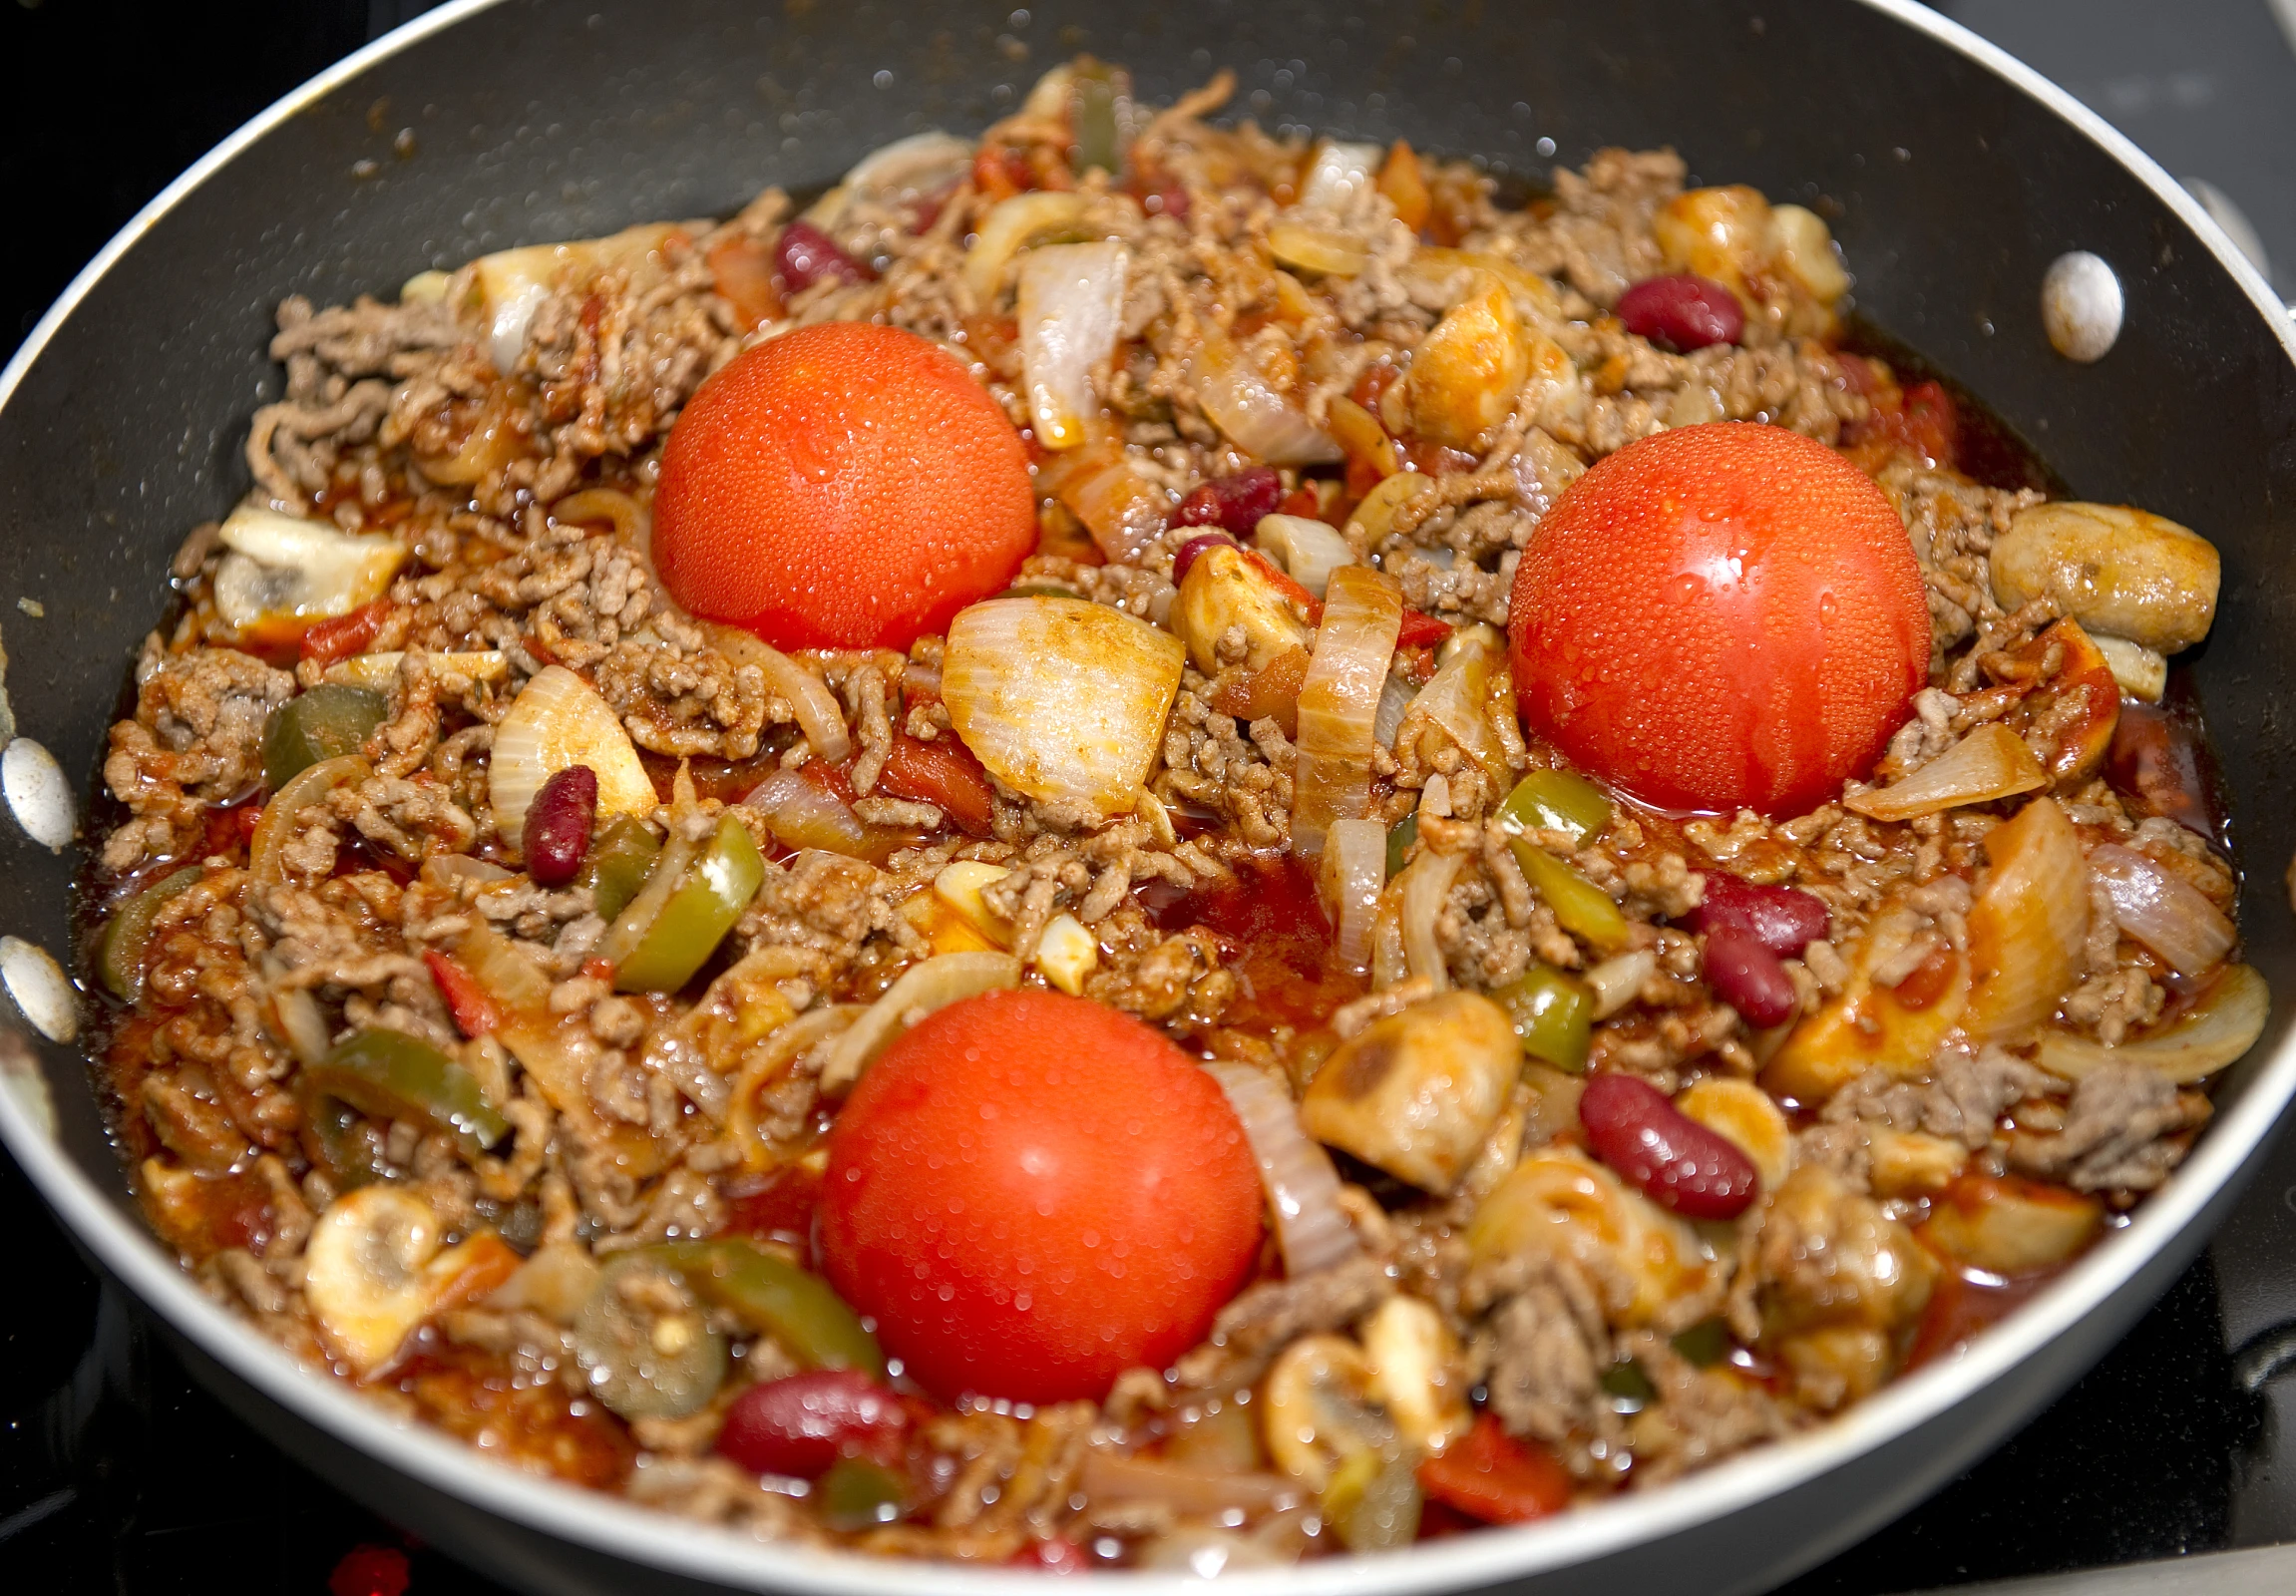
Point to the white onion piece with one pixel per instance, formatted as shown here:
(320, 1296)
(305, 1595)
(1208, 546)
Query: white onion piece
(1425, 886)
(2028, 925)
(1309, 550)
(1460, 700)
(801, 815)
(1616, 979)
(1395, 700)
(921, 990)
(1061, 698)
(2141, 673)
(558, 720)
(819, 715)
(1355, 869)
(1071, 309)
(448, 869)
(1989, 763)
(911, 168)
(1302, 1188)
(1009, 226)
(1339, 173)
(1122, 510)
(289, 566)
(1246, 406)
(302, 1026)
(2224, 1026)
(1108, 1476)
(378, 671)
(515, 282)
(2165, 911)
(1340, 702)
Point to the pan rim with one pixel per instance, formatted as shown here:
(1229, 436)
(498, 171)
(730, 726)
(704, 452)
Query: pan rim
(621, 1529)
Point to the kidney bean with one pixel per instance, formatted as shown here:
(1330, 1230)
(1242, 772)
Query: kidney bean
(803, 1423)
(1234, 502)
(1681, 312)
(1672, 1158)
(1747, 977)
(1786, 920)
(557, 827)
(806, 256)
(1195, 547)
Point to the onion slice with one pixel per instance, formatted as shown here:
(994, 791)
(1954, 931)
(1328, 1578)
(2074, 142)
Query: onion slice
(1301, 1185)
(1340, 702)
(638, 915)
(308, 786)
(558, 720)
(1309, 550)
(2165, 911)
(1423, 887)
(1122, 510)
(1337, 174)
(1616, 979)
(802, 815)
(1989, 763)
(1061, 699)
(1465, 693)
(1247, 407)
(923, 988)
(818, 712)
(1110, 1477)
(1071, 310)
(1006, 231)
(2224, 1025)
(2028, 925)
(1355, 869)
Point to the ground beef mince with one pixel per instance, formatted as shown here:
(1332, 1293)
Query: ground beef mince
(407, 1111)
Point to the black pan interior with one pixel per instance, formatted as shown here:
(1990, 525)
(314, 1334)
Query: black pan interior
(1949, 189)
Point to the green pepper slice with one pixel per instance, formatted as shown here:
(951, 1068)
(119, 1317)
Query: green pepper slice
(1705, 1343)
(392, 1076)
(698, 915)
(128, 934)
(1555, 800)
(1554, 1016)
(327, 723)
(1581, 907)
(1092, 107)
(772, 1294)
(858, 1495)
(1400, 836)
(620, 855)
(1629, 1388)
(333, 1125)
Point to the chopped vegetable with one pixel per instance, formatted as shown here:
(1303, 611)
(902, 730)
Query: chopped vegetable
(1226, 586)
(513, 283)
(284, 569)
(1467, 371)
(392, 1076)
(1705, 1343)
(1416, 1372)
(474, 1008)
(1070, 311)
(1402, 837)
(645, 1343)
(1629, 1388)
(774, 1296)
(1012, 226)
(2217, 1031)
(2010, 1227)
(1340, 702)
(1415, 1093)
(127, 934)
(622, 855)
(1580, 907)
(1356, 859)
(558, 720)
(942, 773)
(2162, 910)
(1258, 419)
(280, 815)
(1066, 953)
(858, 1495)
(1555, 800)
(1746, 1117)
(1553, 1015)
(1989, 764)
(1633, 1127)
(1309, 550)
(695, 917)
(325, 722)
(1122, 510)
(819, 715)
(1495, 1477)
(376, 673)
(923, 988)
(2028, 924)
(1302, 1188)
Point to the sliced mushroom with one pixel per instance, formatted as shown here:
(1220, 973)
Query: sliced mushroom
(1561, 1202)
(1417, 1092)
(2118, 571)
(1416, 1371)
(1321, 1405)
(1227, 588)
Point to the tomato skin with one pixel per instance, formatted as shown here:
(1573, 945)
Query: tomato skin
(1031, 1193)
(843, 486)
(1721, 616)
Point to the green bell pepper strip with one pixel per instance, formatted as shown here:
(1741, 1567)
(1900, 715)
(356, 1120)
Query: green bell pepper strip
(1555, 800)
(620, 855)
(1554, 1016)
(128, 934)
(1629, 1388)
(856, 1494)
(1400, 836)
(1581, 907)
(698, 916)
(326, 722)
(348, 1158)
(775, 1297)
(1093, 109)
(1705, 1343)
(392, 1076)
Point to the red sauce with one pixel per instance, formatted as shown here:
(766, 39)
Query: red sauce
(2160, 759)
(1270, 923)
(1965, 1303)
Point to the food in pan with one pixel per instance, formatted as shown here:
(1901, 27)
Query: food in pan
(1144, 845)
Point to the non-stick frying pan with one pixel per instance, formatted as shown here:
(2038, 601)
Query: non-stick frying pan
(1953, 177)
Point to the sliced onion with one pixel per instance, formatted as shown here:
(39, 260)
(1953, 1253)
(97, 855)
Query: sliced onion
(1246, 406)
(1340, 702)
(448, 869)
(1071, 309)
(923, 988)
(301, 1026)
(638, 915)
(1061, 698)
(1989, 763)
(1460, 700)
(802, 815)
(1309, 550)
(307, 788)
(633, 522)
(2028, 925)
(1122, 510)
(1425, 886)
(1616, 979)
(557, 722)
(515, 282)
(2165, 911)
(291, 567)
(507, 972)
(1320, 249)
(1395, 700)
(1302, 1188)
(1108, 1476)
(2141, 673)
(819, 715)
(907, 169)
(1339, 173)
(1006, 229)
(1355, 869)
(2224, 1025)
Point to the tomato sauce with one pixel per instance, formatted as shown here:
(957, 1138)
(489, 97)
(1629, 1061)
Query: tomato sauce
(1270, 921)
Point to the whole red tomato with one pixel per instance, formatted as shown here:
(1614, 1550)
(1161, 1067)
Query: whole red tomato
(1721, 616)
(1031, 1193)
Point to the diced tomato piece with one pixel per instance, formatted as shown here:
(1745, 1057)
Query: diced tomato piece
(1302, 502)
(942, 772)
(341, 636)
(1056, 1556)
(835, 780)
(741, 269)
(1492, 1476)
(1423, 631)
(475, 1011)
(598, 969)
(1931, 423)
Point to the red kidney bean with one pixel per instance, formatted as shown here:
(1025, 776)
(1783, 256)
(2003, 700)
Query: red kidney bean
(806, 256)
(803, 1423)
(1681, 312)
(1234, 502)
(1786, 920)
(1747, 977)
(1195, 547)
(1676, 1161)
(556, 832)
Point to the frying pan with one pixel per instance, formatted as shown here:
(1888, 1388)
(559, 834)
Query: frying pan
(1953, 177)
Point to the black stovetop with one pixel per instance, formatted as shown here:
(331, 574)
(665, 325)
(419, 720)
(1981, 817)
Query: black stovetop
(117, 1474)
